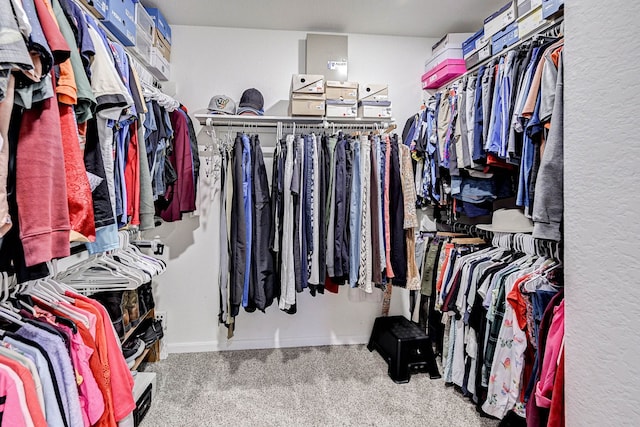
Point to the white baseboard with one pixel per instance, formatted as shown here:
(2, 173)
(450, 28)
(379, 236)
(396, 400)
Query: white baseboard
(254, 344)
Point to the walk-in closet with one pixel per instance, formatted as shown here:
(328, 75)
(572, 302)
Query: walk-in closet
(335, 213)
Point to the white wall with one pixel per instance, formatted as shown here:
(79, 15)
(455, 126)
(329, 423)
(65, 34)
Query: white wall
(602, 181)
(209, 61)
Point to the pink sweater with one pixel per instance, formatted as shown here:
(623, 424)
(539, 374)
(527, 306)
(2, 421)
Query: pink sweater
(544, 388)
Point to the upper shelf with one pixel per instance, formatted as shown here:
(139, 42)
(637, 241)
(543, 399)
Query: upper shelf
(273, 121)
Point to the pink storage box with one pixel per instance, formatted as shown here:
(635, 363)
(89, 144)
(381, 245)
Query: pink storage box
(442, 74)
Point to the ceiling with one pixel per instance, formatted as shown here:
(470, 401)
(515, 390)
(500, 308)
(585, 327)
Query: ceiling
(420, 18)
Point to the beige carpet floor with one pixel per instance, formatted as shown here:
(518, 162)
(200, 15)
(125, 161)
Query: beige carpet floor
(309, 386)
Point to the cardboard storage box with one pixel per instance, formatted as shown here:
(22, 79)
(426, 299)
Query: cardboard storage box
(344, 108)
(373, 92)
(307, 83)
(160, 43)
(307, 104)
(374, 109)
(341, 90)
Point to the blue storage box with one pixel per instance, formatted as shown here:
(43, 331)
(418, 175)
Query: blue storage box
(551, 7)
(121, 21)
(161, 23)
(472, 43)
(505, 38)
(97, 7)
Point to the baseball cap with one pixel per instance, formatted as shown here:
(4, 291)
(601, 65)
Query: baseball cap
(222, 104)
(251, 102)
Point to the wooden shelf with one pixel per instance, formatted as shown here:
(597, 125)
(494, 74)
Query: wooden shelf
(133, 330)
(151, 354)
(140, 359)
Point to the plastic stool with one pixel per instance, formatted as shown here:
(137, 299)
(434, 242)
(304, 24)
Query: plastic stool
(406, 348)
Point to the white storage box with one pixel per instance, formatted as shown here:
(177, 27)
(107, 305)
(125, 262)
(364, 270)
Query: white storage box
(345, 108)
(451, 40)
(500, 19)
(449, 53)
(374, 109)
(159, 66)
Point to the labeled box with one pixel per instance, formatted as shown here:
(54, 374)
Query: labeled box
(342, 108)
(307, 104)
(505, 38)
(121, 20)
(374, 109)
(373, 92)
(341, 90)
(478, 56)
(500, 19)
(473, 43)
(307, 83)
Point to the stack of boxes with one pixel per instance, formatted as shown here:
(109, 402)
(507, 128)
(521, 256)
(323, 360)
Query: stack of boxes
(515, 21)
(146, 30)
(502, 28)
(311, 96)
(307, 95)
(342, 99)
(161, 51)
(446, 62)
(373, 101)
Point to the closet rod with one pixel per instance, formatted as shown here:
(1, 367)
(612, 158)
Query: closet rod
(274, 121)
(541, 32)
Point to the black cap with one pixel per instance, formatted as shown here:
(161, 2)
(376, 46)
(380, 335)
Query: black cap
(251, 101)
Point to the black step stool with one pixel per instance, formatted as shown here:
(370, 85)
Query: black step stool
(406, 348)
